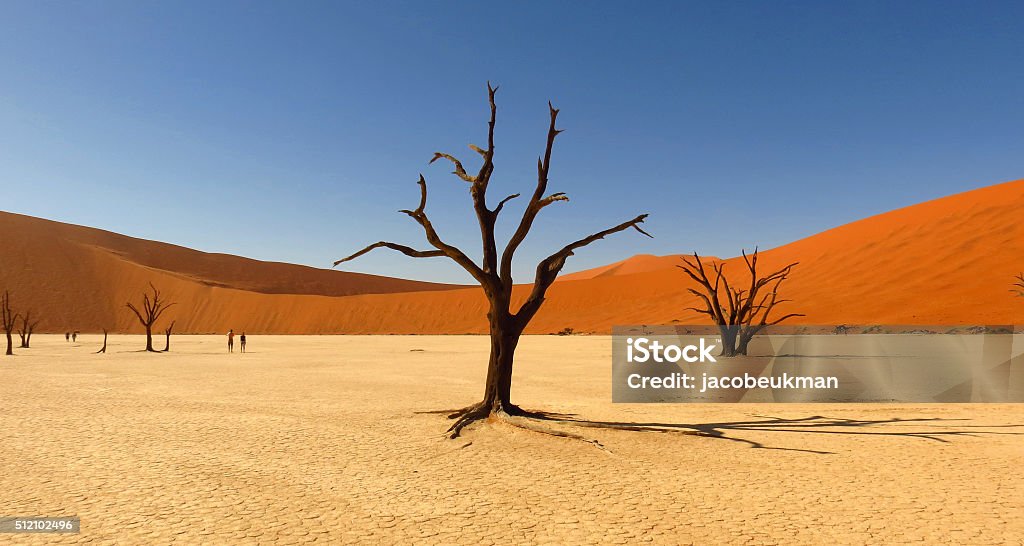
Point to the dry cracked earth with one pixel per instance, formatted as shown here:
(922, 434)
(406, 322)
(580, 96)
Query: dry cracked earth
(324, 439)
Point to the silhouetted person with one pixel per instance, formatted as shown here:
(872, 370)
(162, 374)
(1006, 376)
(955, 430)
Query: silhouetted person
(74, 336)
(241, 340)
(231, 341)
(67, 336)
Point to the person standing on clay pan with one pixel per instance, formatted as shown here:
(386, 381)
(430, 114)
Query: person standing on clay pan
(241, 340)
(231, 341)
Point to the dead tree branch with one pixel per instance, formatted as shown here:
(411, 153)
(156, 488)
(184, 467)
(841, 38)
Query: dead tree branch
(739, 313)
(25, 330)
(153, 307)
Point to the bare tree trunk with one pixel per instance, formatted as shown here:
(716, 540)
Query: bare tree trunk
(744, 341)
(729, 338)
(167, 332)
(498, 386)
(104, 348)
(149, 339)
(747, 333)
(8, 317)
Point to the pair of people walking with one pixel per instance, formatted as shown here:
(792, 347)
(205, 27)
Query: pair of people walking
(231, 341)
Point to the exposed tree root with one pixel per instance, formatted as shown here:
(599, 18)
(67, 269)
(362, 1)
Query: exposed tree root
(514, 416)
(467, 415)
(462, 412)
(529, 423)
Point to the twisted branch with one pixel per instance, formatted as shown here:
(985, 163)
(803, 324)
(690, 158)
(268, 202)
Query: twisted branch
(459, 170)
(152, 309)
(749, 309)
(537, 201)
(408, 251)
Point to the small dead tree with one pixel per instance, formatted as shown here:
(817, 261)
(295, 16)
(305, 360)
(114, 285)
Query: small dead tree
(104, 348)
(1018, 287)
(7, 320)
(167, 332)
(152, 307)
(27, 327)
(740, 313)
(494, 272)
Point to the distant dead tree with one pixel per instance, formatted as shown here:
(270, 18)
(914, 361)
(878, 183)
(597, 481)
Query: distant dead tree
(27, 327)
(494, 273)
(104, 348)
(167, 332)
(152, 308)
(8, 318)
(1018, 287)
(739, 313)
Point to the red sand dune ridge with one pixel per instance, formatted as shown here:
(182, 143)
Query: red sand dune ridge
(641, 263)
(947, 261)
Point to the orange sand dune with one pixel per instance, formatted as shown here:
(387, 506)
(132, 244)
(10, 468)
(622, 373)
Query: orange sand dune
(75, 277)
(641, 263)
(207, 268)
(948, 261)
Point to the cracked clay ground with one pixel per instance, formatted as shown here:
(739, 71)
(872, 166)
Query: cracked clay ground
(318, 439)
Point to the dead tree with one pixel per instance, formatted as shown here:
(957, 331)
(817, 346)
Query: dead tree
(152, 308)
(7, 320)
(1018, 287)
(494, 272)
(27, 327)
(167, 332)
(104, 348)
(740, 313)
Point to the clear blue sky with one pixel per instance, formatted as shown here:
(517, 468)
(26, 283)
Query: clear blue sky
(293, 131)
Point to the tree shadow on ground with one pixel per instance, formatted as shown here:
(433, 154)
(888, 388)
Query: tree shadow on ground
(942, 429)
(816, 424)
